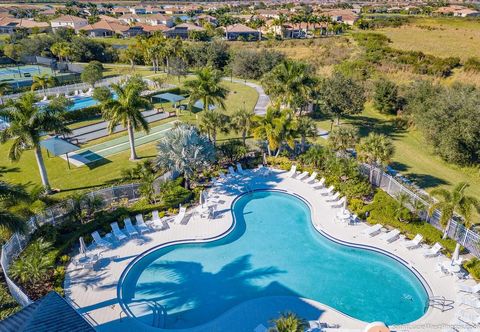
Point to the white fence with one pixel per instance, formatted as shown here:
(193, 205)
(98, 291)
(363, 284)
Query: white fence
(466, 237)
(54, 216)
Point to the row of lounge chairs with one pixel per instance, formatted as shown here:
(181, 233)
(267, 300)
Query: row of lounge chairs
(130, 230)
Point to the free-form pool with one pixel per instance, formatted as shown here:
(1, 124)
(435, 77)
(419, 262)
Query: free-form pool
(273, 251)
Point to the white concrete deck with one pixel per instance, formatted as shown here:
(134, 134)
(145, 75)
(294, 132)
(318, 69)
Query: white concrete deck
(94, 291)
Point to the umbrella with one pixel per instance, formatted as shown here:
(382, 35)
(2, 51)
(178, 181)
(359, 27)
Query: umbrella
(456, 254)
(83, 247)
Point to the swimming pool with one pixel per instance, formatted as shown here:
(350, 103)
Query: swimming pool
(273, 250)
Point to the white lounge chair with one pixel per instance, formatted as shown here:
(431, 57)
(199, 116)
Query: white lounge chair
(75, 93)
(302, 176)
(328, 191)
(231, 171)
(468, 300)
(372, 230)
(312, 177)
(469, 289)
(415, 243)
(318, 184)
(340, 202)
(45, 98)
(99, 241)
(180, 216)
(391, 236)
(292, 171)
(334, 197)
(129, 227)
(117, 232)
(469, 316)
(141, 226)
(433, 251)
(240, 169)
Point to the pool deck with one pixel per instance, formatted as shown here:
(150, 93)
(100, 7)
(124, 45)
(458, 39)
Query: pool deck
(93, 291)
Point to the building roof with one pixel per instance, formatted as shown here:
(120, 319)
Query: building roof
(107, 25)
(152, 28)
(69, 19)
(21, 22)
(188, 26)
(58, 146)
(157, 17)
(50, 313)
(171, 97)
(239, 28)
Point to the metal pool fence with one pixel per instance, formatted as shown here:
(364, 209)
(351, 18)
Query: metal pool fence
(466, 237)
(56, 215)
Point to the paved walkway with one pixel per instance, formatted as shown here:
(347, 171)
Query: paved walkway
(262, 101)
(94, 291)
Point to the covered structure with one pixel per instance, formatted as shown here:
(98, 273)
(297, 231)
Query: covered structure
(171, 97)
(199, 104)
(58, 146)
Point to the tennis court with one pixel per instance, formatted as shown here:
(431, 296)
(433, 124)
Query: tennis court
(21, 72)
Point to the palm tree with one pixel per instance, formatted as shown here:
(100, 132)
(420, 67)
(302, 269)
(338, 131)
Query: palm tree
(289, 322)
(242, 122)
(454, 201)
(343, 138)
(375, 150)
(62, 50)
(4, 88)
(306, 127)
(186, 151)
(212, 122)
(42, 81)
(207, 87)
(9, 195)
(27, 124)
(290, 83)
(126, 109)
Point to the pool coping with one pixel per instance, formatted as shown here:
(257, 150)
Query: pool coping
(412, 269)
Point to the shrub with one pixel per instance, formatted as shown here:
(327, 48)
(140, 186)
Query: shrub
(173, 194)
(280, 162)
(473, 267)
(472, 64)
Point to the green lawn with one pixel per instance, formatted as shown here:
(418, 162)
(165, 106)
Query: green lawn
(413, 156)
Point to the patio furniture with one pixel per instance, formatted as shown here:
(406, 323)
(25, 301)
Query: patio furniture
(240, 169)
(415, 243)
(312, 177)
(117, 232)
(302, 176)
(468, 300)
(231, 171)
(318, 184)
(391, 236)
(340, 202)
(328, 191)
(99, 241)
(372, 230)
(141, 226)
(180, 216)
(129, 227)
(292, 171)
(433, 251)
(469, 316)
(334, 197)
(469, 289)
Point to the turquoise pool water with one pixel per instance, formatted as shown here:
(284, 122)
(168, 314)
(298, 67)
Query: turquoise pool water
(272, 251)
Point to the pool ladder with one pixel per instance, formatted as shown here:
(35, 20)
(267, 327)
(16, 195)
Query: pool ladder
(159, 315)
(441, 303)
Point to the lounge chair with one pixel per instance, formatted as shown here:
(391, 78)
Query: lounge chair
(99, 241)
(318, 184)
(469, 289)
(470, 301)
(75, 93)
(292, 171)
(391, 236)
(45, 98)
(240, 169)
(334, 197)
(372, 230)
(433, 251)
(353, 219)
(180, 216)
(340, 202)
(231, 171)
(141, 226)
(129, 227)
(328, 191)
(469, 316)
(302, 176)
(312, 177)
(117, 232)
(415, 243)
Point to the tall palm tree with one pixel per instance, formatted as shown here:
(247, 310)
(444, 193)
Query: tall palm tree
(9, 195)
(453, 201)
(212, 123)
(207, 87)
(375, 150)
(42, 81)
(242, 122)
(289, 322)
(27, 124)
(290, 82)
(306, 128)
(126, 109)
(343, 138)
(4, 88)
(186, 151)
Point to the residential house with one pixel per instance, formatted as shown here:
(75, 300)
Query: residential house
(68, 21)
(456, 10)
(157, 19)
(129, 18)
(10, 25)
(120, 11)
(152, 29)
(138, 10)
(104, 28)
(342, 16)
(182, 30)
(466, 12)
(241, 31)
(204, 18)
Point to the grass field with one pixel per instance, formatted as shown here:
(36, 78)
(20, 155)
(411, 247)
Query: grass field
(107, 172)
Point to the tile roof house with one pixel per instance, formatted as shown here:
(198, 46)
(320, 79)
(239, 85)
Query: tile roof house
(157, 19)
(241, 31)
(68, 21)
(104, 28)
(50, 313)
(10, 24)
(346, 16)
(182, 30)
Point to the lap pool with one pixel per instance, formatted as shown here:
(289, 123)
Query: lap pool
(273, 250)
